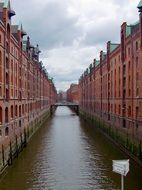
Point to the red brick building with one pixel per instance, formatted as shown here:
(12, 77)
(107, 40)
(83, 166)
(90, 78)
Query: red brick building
(73, 93)
(26, 92)
(62, 96)
(111, 88)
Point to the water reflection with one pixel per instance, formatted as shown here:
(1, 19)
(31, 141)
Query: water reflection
(68, 154)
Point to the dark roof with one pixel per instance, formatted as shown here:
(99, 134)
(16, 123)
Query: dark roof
(14, 29)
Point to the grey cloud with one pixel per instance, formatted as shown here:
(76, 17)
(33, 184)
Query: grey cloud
(51, 26)
(72, 41)
(100, 34)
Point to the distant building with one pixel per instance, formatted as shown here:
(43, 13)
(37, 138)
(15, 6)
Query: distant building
(62, 96)
(73, 93)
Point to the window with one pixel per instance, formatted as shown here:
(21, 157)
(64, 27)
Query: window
(119, 58)
(128, 51)
(137, 76)
(115, 108)
(129, 92)
(124, 69)
(137, 91)
(7, 79)
(137, 61)
(129, 111)
(8, 31)
(19, 111)
(20, 123)
(12, 115)
(129, 66)
(0, 91)
(23, 108)
(26, 108)
(0, 115)
(137, 112)
(16, 111)
(7, 94)
(124, 123)
(7, 63)
(119, 110)
(119, 93)
(6, 115)
(137, 46)
(6, 131)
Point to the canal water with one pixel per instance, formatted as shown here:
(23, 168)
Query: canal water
(68, 154)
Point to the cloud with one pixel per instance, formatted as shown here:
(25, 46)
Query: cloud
(66, 64)
(71, 33)
(50, 23)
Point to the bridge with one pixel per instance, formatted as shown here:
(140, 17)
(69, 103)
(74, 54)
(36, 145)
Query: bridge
(72, 106)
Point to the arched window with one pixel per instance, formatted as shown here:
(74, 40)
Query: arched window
(20, 123)
(7, 94)
(31, 107)
(6, 131)
(26, 108)
(23, 109)
(12, 115)
(0, 115)
(6, 115)
(19, 111)
(8, 37)
(7, 63)
(8, 31)
(137, 45)
(7, 79)
(16, 111)
(129, 111)
(137, 61)
(129, 66)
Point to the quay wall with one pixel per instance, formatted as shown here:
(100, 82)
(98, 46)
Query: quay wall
(123, 140)
(12, 147)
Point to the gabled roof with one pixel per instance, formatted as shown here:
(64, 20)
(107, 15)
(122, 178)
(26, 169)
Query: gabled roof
(130, 29)
(14, 28)
(97, 62)
(20, 28)
(113, 46)
(135, 26)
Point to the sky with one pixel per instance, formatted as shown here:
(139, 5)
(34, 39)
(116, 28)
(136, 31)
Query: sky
(71, 33)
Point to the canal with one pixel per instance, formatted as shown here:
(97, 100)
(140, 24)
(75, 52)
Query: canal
(68, 154)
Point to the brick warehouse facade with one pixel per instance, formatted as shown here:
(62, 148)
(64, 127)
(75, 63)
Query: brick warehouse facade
(111, 88)
(73, 93)
(26, 91)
